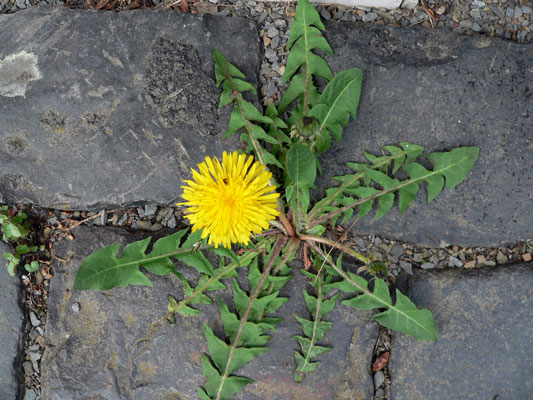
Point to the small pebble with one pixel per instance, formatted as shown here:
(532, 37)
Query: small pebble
(270, 54)
(470, 264)
(370, 17)
(360, 242)
(454, 262)
(34, 356)
(418, 257)
(379, 379)
(427, 265)
(28, 368)
(34, 320)
(156, 227)
(526, 257)
(274, 44)
(325, 13)
(143, 224)
(76, 307)
(497, 10)
(501, 258)
(150, 210)
(172, 222)
(397, 250)
(103, 218)
(272, 31)
(122, 219)
(407, 267)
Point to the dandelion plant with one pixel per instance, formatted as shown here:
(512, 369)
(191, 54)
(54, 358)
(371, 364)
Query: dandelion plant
(255, 212)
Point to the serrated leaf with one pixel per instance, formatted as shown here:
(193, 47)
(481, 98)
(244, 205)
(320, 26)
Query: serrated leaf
(435, 182)
(224, 69)
(403, 316)
(313, 329)
(215, 386)
(338, 102)
(316, 329)
(220, 350)
(302, 64)
(104, 270)
(406, 318)
(253, 334)
(379, 298)
(455, 165)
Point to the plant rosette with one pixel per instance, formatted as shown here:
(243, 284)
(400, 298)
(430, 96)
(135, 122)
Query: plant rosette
(255, 211)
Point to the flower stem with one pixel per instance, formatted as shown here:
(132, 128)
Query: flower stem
(331, 243)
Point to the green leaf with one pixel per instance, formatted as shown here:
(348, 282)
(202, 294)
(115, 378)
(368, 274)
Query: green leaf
(313, 329)
(11, 231)
(22, 249)
(12, 263)
(455, 165)
(104, 270)
(338, 102)
(32, 267)
(224, 69)
(302, 64)
(451, 167)
(406, 318)
(220, 350)
(301, 165)
(215, 385)
(403, 316)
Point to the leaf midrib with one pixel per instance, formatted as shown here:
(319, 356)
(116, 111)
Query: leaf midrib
(330, 111)
(385, 191)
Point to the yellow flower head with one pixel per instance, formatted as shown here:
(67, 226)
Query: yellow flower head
(230, 201)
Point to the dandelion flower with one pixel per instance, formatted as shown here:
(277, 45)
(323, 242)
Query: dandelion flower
(230, 201)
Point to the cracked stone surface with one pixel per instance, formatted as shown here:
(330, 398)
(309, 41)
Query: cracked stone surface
(442, 90)
(102, 344)
(485, 347)
(11, 325)
(95, 120)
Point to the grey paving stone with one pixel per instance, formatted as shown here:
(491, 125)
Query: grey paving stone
(485, 347)
(108, 109)
(105, 347)
(11, 325)
(443, 90)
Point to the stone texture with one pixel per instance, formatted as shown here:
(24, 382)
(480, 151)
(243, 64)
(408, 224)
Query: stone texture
(110, 349)
(485, 347)
(443, 90)
(113, 115)
(11, 324)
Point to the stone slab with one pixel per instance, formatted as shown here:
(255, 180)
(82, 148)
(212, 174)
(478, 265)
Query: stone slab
(11, 330)
(103, 348)
(485, 347)
(105, 109)
(442, 90)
